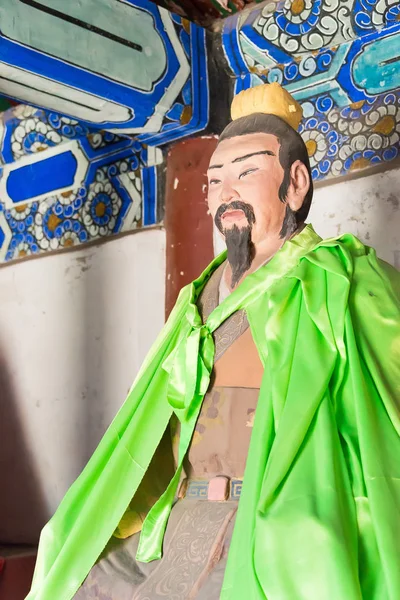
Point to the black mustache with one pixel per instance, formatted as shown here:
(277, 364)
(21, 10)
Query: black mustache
(235, 205)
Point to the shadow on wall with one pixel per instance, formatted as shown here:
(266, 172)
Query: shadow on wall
(368, 207)
(22, 505)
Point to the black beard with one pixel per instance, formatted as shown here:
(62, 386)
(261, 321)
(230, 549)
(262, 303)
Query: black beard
(240, 248)
(240, 251)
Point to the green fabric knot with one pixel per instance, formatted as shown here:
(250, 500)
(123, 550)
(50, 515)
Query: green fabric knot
(189, 366)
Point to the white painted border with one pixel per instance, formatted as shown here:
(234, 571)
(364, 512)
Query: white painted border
(136, 201)
(7, 239)
(72, 146)
(37, 90)
(153, 125)
(154, 156)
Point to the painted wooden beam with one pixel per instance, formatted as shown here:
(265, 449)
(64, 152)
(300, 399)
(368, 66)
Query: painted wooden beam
(127, 67)
(62, 185)
(106, 82)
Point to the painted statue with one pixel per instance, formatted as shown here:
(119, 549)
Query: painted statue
(257, 454)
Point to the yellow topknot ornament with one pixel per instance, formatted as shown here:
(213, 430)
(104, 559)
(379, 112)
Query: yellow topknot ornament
(270, 99)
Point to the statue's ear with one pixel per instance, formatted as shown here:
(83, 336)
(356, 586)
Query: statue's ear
(298, 186)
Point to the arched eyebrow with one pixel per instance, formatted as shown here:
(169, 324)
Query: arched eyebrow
(240, 158)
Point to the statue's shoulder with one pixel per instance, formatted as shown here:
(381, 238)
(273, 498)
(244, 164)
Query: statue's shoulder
(344, 245)
(361, 262)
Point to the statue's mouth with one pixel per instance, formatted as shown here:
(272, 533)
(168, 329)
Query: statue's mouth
(235, 213)
(232, 216)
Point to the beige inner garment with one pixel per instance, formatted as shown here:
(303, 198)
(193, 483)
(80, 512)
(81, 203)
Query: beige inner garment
(240, 365)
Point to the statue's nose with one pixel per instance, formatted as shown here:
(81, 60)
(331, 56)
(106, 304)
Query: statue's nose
(229, 193)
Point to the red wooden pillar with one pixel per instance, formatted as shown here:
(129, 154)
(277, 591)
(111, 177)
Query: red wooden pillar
(16, 572)
(189, 230)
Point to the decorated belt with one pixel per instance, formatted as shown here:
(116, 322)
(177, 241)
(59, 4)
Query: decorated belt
(216, 489)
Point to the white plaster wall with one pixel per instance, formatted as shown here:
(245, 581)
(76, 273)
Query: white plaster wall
(368, 207)
(74, 329)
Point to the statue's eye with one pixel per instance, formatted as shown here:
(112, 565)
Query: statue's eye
(245, 173)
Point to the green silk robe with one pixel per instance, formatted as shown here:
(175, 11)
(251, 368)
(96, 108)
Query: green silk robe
(319, 514)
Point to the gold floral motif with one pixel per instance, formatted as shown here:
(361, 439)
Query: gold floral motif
(100, 209)
(53, 222)
(386, 125)
(186, 115)
(311, 146)
(297, 7)
(360, 163)
(21, 208)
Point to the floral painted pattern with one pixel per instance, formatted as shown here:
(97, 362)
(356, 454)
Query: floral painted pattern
(301, 25)
(360, 135)
(104, 204)
(101, 208)
(298, 26)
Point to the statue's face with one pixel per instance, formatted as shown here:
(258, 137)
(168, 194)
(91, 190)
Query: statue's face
(247, 169)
